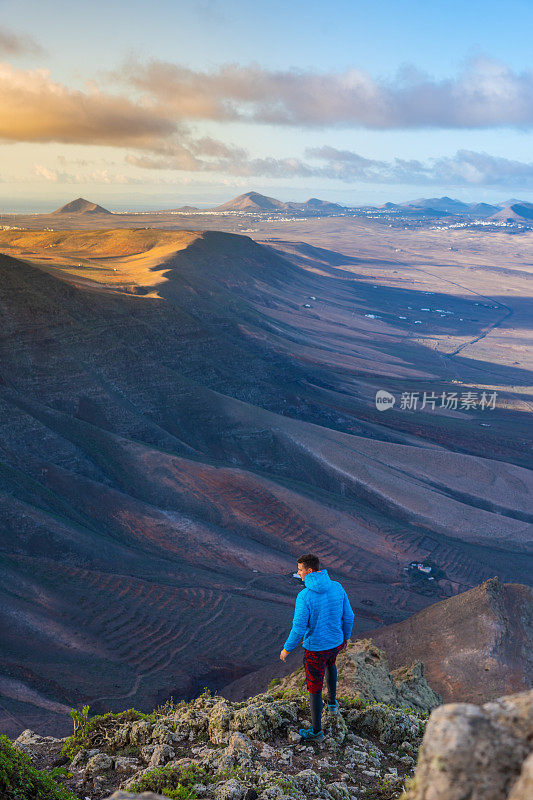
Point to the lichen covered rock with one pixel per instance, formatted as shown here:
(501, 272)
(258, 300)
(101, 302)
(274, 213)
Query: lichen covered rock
(263, 718)
(98, 764)
(308, 781)
(219, 721)
(231, 790)
(338, 790)
(241, 749)
(41, 749)
(475, 752)
(140, 732)
(363, 671)
(389, 725)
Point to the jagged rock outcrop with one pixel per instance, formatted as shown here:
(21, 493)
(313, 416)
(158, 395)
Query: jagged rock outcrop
(363, 670)
(480, 753)
(43, 750)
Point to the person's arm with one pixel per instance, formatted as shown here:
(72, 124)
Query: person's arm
(347, 618)
(299, 623)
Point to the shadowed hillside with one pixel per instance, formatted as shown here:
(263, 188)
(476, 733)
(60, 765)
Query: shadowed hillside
(476, 646)
(177, 426)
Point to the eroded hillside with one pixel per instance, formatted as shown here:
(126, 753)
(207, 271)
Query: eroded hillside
(176, 428)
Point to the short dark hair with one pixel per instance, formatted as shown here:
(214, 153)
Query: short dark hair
(310, 561)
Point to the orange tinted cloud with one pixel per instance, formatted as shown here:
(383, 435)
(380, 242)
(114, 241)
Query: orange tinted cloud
(35, 109)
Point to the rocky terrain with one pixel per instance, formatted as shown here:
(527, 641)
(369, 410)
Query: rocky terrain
(178, 426)
(252, 748)
(216, 749)
(484, 753)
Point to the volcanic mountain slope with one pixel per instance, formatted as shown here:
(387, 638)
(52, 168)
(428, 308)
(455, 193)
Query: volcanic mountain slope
(477, 645)
(260, 203)
(81, 206)
(515, 212)
(176, 428)
(444, 204)
(252, 201)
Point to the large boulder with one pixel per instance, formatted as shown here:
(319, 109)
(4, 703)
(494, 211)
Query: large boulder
(308, 781)
(218, 722)
(42, 750)
(190, 722)
(140, 732)
(232, 789)
(523, 788)
(263, 718)
(241, 749)
(338, 790)
(477, 752)
(99, 764)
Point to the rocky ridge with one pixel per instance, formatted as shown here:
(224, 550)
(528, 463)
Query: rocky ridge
(216, 749)
(221, 750)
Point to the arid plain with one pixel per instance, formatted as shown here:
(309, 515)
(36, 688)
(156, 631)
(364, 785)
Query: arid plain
(184, 412)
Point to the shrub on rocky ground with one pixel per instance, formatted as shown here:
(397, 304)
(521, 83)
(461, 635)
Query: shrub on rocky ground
(100, 731)
(20, 780)
(176, 783)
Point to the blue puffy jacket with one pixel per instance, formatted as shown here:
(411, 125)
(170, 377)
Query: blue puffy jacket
(322, 614)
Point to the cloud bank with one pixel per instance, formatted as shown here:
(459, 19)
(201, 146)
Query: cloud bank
(465, 168)
(486, 94)
(150, 119)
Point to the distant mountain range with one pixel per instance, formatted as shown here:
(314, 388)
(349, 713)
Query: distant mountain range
(512, 210)
(253, 202)
(516, 212)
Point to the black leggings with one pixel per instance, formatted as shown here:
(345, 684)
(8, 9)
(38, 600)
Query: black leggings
(315, 699)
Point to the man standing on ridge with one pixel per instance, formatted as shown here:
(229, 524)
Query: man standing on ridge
(324, 618)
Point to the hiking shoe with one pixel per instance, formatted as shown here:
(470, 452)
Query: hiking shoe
(334, 708)
(308, 733)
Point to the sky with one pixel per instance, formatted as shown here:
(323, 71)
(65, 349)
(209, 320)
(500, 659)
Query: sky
(138, 105)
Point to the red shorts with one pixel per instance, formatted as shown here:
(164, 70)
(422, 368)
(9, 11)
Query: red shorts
(315, 663)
